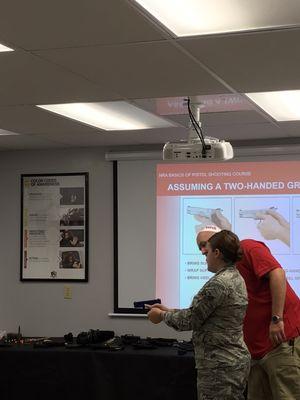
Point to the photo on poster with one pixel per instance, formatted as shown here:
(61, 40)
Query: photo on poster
(71, 259)
(71, 238)
(72, 216)
(72, 196)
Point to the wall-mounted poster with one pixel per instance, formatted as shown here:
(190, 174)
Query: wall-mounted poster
(54, 228)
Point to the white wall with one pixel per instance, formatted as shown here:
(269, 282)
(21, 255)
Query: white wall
(39, 307)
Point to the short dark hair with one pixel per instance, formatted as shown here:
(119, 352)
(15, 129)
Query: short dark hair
(229, 245)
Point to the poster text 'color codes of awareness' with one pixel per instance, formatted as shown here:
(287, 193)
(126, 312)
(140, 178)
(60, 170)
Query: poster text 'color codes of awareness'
(257, 200)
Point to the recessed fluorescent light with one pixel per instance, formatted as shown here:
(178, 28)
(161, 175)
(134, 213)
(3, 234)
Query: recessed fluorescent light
(4, 48)
(203, 17)
(7, 133)
(282, 106)
(110, 116)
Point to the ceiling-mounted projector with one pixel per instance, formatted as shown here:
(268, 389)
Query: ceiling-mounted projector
(198, 147)
(218, 150)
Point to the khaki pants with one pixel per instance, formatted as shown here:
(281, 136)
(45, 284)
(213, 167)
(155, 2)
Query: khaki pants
(277, 375)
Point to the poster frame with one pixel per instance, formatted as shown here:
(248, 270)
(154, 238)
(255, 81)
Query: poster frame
(80, 254)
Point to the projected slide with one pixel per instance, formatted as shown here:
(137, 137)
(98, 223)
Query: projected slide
(260, 201)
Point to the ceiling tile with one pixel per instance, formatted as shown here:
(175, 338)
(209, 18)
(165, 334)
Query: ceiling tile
(245, 131)
(27, 79)
(33, 24)
(27, 142)
(232, 118)
(138, 70)
(105, 139)
(254, 62)
(292, 128)
(221, 118)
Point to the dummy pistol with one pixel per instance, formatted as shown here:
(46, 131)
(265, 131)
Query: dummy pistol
(204, 212)
(254, 214)
(141, 304)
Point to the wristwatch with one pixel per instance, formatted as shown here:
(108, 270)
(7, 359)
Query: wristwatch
(275, 319)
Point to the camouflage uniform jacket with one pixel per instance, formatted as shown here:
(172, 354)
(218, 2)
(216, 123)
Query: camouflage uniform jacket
(216, 318)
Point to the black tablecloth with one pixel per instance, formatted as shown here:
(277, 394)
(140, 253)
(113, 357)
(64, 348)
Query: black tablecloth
(87, 374)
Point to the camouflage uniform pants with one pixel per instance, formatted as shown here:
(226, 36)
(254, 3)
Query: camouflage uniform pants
(222, 383)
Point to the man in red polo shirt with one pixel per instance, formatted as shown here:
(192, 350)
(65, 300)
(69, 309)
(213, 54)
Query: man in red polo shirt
(271, 326)
(272, 323)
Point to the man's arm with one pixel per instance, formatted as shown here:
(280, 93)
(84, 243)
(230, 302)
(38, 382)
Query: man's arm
(277, 283)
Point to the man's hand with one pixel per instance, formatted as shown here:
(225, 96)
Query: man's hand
(217, 218)
(155, 315)
(274, 226)
(221, 221)
(203, 221)
(276, 333)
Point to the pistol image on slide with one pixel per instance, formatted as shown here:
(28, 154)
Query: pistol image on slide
(204, 212)
(254, 214)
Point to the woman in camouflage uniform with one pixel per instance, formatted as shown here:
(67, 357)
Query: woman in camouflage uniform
(216, 318)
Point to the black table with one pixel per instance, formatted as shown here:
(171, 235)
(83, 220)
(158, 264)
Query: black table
(58, 373)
